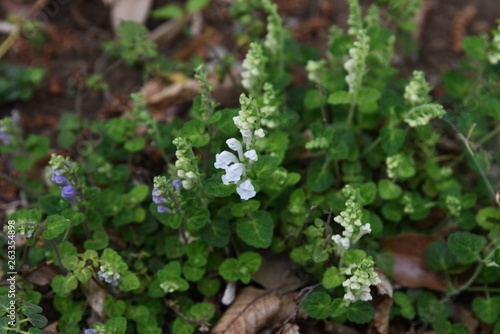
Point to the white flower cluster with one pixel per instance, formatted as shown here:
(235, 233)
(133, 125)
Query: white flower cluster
(494, 50)
(453, 205)
(169, 286)
(253, 69)
(421, 115)
(235, 167)
(358, 285)
(248, 121)
(187, 170)
(108, 275)
(356, 65)
(354, 20)
(417, 90)
(314, 69)
(393, 162)
(350, 219)
(274, 36)
(270, 107)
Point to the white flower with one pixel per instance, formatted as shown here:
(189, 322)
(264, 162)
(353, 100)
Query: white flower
(224, 159)
(251, 155)
(259, 133)
(246, 190)
(229, 293)
(247, 137)
(233, 173)
(235, 145)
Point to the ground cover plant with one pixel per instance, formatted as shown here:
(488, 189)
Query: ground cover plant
(355, 198)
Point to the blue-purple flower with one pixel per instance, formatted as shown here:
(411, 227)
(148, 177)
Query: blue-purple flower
(177, 184)
(4, 137)
(90, 331)
(68, 193)
(108, 275)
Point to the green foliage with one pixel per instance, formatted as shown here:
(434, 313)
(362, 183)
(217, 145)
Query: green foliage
(321, 171)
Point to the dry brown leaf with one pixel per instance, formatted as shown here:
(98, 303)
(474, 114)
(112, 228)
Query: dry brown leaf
(43, 274)
(128, 10)
(251, 311)
(52, 328)
(279, 272)
(409, 270)
(160, 96)
(95, 298)
(382, 302)
(166, 32)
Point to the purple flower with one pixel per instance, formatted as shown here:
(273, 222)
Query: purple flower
(68, 193)
(4, 137)
(90, 331)
(163, 209)
(60, 180)
(177, 184)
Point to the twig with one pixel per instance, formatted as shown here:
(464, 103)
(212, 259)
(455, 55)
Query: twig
(303, 294)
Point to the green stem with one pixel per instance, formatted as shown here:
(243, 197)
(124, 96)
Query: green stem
(58, 256)
(351, 112)
(371, 146)
(7, 44)
(481, 141)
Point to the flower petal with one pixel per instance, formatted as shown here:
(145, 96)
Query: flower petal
(223, 159)
(246, 190)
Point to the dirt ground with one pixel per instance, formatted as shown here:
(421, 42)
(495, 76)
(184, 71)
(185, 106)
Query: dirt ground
(76, 29)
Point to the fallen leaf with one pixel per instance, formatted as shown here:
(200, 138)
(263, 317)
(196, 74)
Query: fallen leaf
(43, 274)
(382, 302)
(160, 96)
(128, 10)
(409, 270)
(52, 328)
(95, 298)
(278, 271)
(252, 310)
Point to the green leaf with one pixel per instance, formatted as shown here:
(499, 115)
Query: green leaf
(181, 326)
(265, 166)
(475, 46)
(318, 305)
(37, 320)
(99, 241)
(137, 194)
(466, 246)
(406, 306)
(216, 233)
(488, 310)
(55, 225)
(339, 97)
(456, 84)
(368, 192)
(256, 231)
(215, 188)
(197, 218)
(488, 218)
(332, 278)
(192, 273)
(167, 12)
(38, 146)
(135, 144)
(392, 139)
(24, 162)
(128, 281)
(113, 307)
(119, 129)
(116, 325)
(201, 312)
(69, 284)
(248, 264)
(368, 95)
(319, 177)
(439, 257)
(208, 287)
(389, 190)
(229, 270)
(360, 312)
(242, 209)
(196, 5)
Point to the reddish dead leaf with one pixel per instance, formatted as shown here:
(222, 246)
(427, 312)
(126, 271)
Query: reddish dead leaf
(43, 274)
(160, 96)
(382, 302)
(251, 311)
(460, 314)
(408, 251)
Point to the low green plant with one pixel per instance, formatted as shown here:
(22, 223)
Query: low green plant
(321, 172)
